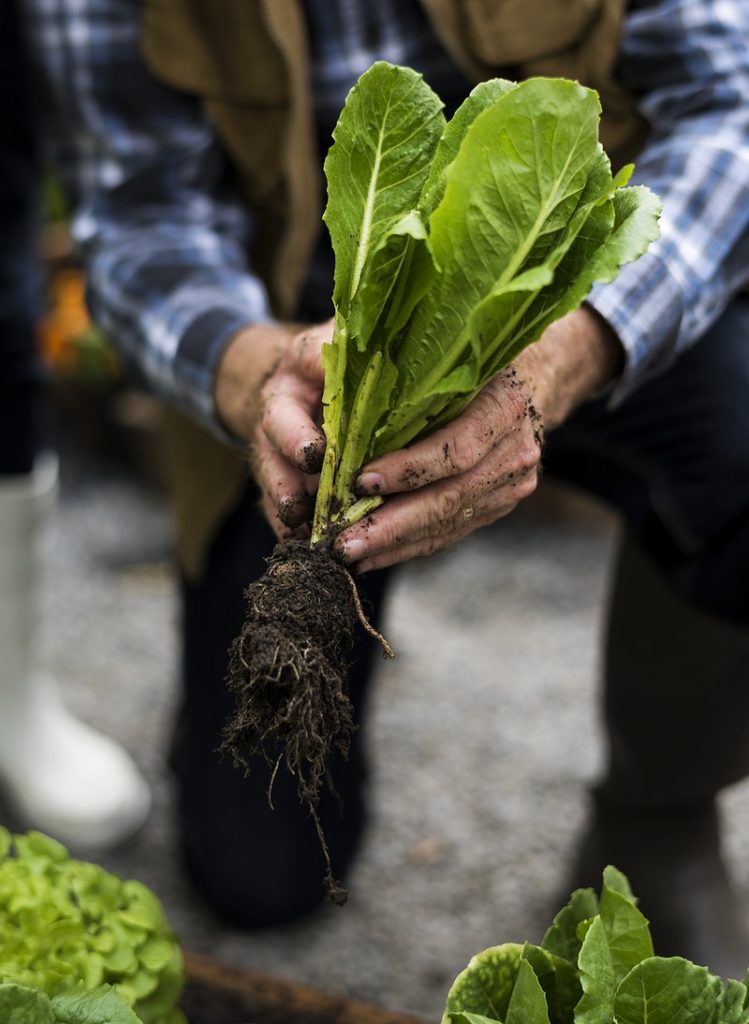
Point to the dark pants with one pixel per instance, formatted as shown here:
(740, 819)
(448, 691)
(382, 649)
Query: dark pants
(675, 460)
(21, 378)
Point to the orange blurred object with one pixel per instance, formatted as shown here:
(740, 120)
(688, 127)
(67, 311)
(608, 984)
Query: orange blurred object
(70, 344)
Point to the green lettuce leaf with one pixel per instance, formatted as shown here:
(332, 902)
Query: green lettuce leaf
(627, 931)
(383, 146)
(514, 984)
(596, 1005)
(478, 100)
(20, 1004)
(559, 980)
(527, 1002)
(730, 1008)
(102, 1006)
(395, 278)
(485, 986)
(562, 937)
(667, 991)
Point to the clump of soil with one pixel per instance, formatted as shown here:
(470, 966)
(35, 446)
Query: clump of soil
(288, 670)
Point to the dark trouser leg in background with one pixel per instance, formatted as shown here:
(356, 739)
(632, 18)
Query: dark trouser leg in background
(21, 378)
(678, 732)
(256, 866)
(675, 460)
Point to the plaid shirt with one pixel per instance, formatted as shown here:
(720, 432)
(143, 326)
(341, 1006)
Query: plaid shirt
(164, 237)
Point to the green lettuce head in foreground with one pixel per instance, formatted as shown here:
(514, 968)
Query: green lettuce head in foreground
(456, 245)
(79, 945)
(596, 965)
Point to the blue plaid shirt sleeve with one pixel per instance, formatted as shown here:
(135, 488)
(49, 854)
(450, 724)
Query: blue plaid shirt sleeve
(162, 235)
(689, 63)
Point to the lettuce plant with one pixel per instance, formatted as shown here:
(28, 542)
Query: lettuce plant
(596, 965)
(456, 245)
(68, 928)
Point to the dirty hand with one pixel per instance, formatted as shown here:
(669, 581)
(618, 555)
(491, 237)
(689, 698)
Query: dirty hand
(287, 443)
(477, 468)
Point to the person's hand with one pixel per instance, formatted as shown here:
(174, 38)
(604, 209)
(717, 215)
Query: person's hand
(287, 444)
(246, 362)
(477, 468)
(267, 392)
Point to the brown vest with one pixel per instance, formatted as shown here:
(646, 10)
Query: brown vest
(247, 61)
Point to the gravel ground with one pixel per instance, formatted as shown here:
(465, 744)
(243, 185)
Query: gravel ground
(483, 733)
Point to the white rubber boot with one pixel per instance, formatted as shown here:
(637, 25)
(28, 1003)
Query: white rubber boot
(62, 777)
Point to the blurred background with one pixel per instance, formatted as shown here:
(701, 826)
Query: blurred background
(483, 734)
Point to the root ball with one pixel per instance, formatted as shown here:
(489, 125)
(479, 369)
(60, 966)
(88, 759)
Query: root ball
(288, 669)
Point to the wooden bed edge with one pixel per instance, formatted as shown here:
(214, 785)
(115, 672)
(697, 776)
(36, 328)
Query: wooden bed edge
(264, 992)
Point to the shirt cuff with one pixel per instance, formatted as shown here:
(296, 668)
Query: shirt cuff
(644, 306)
(181, 339)
(200, 351)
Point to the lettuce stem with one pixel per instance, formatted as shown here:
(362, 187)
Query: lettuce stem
(334, 363)
(358, 436)
(336, 497)
(359, 510)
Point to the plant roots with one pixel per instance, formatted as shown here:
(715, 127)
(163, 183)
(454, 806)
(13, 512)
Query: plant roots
(288, 670)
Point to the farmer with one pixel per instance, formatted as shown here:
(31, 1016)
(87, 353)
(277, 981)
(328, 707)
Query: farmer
(59, 774)
(192, 132)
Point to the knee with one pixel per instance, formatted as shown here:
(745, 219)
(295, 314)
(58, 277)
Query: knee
(257, 867)
(259, 887)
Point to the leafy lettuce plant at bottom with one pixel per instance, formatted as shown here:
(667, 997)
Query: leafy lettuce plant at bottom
(596, 965)
(84, 940)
